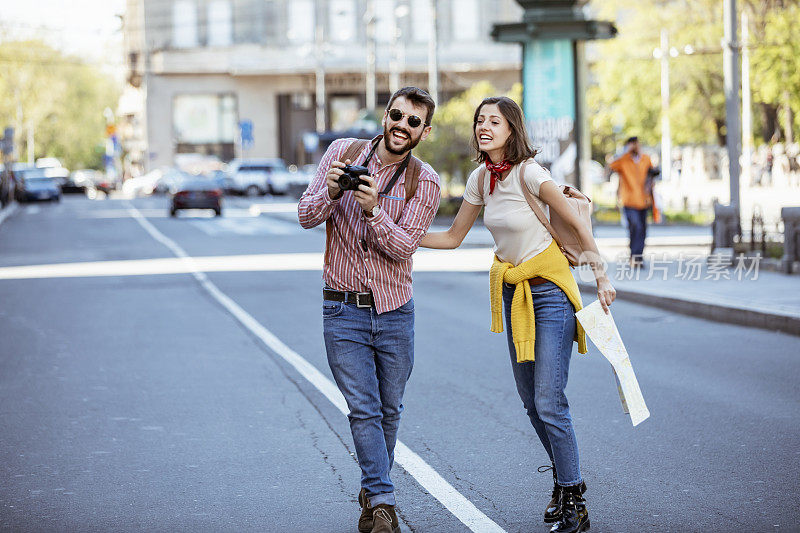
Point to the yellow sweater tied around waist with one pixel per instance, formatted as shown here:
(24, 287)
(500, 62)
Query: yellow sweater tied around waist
(550, 265)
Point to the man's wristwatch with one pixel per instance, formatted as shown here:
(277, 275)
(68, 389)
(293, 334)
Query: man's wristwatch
(375, 211)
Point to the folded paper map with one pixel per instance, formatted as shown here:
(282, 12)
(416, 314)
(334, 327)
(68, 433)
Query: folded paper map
(602, 330)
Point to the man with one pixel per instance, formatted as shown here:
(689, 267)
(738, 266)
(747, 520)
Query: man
(633, 169)
(368, 311)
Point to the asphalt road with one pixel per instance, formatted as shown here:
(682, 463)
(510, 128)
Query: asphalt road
(131, 399)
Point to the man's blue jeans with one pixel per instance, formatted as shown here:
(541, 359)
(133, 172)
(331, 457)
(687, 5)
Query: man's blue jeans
(637, 230)
(541, 384)
(371, 357)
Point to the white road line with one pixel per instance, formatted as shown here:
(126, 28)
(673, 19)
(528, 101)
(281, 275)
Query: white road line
(469, 260)
(435, 484)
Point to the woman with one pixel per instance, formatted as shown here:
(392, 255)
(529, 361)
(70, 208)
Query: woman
(529, 266)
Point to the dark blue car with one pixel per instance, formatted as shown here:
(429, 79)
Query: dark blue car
(33, 185)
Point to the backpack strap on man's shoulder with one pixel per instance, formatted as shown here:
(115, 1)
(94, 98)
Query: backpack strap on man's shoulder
(412, 177)
(354, 150)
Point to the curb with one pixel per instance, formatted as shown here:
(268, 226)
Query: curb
(7, 211)
(728, 314)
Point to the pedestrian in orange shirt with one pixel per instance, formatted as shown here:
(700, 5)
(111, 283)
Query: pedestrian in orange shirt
(633, 168)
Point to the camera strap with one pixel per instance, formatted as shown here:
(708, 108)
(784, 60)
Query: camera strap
(397, 173)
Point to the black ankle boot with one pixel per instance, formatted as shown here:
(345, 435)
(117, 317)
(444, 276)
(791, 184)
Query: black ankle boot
(574, 516)
(553, 511)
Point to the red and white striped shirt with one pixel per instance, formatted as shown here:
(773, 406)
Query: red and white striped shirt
(391, 237)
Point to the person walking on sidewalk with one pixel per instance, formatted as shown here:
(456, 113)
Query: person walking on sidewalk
(532, 279)
(367, 308)
(634, 168)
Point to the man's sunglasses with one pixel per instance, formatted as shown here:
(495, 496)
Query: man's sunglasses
(397, 116)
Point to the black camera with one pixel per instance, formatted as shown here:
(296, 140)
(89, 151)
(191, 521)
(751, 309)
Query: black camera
(350, 180)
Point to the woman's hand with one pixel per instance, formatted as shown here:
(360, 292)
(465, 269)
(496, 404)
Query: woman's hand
(553, 197)
(605, 292)
(454, 236)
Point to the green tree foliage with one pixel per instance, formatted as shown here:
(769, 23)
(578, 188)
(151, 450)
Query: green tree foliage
(776, 65)
(625, 96)
(447, 148)
(61, 97)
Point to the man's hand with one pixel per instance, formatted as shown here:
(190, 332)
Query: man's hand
(333, 176)
(367, 195)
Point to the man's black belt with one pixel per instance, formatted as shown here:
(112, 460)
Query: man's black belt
(359, 299)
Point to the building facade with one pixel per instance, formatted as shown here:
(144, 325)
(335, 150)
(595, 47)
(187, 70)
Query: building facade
(247, 78)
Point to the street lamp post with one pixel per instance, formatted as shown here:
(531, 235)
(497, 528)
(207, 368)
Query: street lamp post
(747, 115)
(319, 43)
(727, 224)
(433, 55)
(663, 53)
(370, 24)
(733, 136)
(31, 152)
(397, 65)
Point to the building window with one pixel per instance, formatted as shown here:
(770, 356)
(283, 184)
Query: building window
(342, 16)
(301, 21)
(421, 20)
(344, 112)
(220, 28)
(184, 24)
(384, 26)
(200, 119)
(272, 22)
(466, 20)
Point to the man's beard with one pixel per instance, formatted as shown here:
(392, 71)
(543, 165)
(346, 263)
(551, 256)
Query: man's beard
(409, 145)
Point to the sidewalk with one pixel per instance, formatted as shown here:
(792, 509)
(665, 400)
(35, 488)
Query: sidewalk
(679, 276)
(694, 285)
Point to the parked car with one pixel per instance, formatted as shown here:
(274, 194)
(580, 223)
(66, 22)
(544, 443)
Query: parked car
(196, 193)
(142, 185)
(221, 178)
(61, 175)
(82, 180)
(48, 162)
(103, 183)
(33, 184)
(18, 168)
(168, 179)
(258, 176)
(301, 178)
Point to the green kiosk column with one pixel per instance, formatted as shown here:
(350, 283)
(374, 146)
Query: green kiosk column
(551, 33)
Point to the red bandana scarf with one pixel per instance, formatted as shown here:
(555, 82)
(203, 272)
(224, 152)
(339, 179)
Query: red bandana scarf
(496, 171)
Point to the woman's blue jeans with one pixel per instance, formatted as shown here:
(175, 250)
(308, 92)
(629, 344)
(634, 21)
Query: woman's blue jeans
(371, 356)
(541, 384)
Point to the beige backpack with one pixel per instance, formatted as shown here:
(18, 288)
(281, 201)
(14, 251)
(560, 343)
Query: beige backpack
(565, 237)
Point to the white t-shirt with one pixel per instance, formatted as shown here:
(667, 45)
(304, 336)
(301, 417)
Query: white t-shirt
(518, 234)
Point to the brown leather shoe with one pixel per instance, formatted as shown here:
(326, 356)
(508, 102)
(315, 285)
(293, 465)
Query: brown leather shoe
(365, 520)
(384, 519)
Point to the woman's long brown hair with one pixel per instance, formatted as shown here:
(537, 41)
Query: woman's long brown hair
(518, 146)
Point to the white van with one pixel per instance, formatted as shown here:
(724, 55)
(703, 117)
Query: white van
(258, 176)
